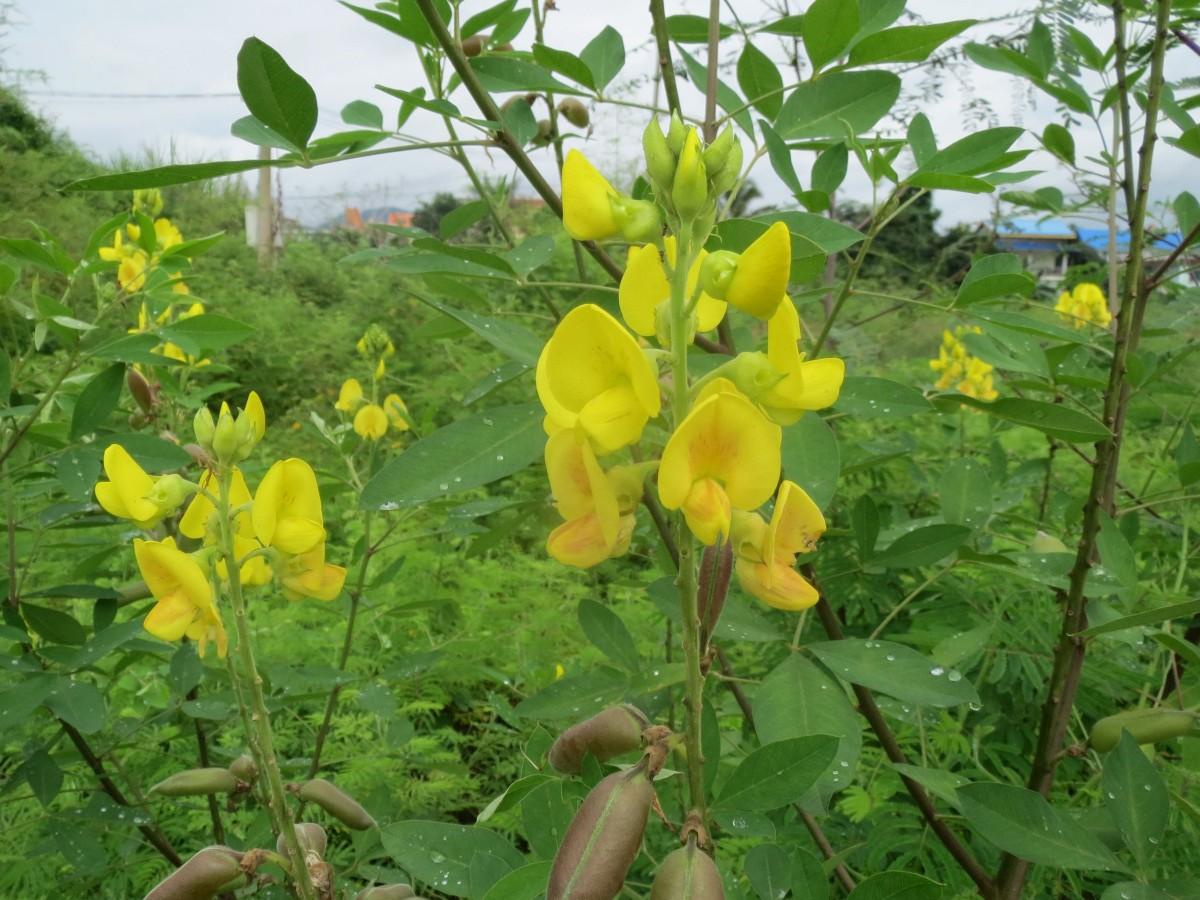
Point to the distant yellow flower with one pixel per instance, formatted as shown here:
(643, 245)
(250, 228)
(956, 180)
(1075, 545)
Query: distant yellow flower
(397, 412)
(371, 422)
(960, 370)
(593, 375)
(287, 508)
(166, 235)
(766, 553)
(131, 273)
(1086, 305)
(587, 200)
(559, 671)
(350, 396)
(185, 598)
(725, 455)
(644, 290)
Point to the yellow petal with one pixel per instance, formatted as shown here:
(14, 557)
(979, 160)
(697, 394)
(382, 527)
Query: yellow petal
(371, 422)
(579, 484)
(170, 618)
(194, 522)
(775, 585)
(308, 575)
(587, 208)
(796, 525)
(169, 571)
(580, 542)
(289, 492)
(258, 416)
(707, 511)
(131, 485)
(397, 412)
(350, 395)
(643, 287)
(762, 274)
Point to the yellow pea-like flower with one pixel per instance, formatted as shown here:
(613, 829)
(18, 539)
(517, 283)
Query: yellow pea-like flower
(1085, 305)
(185, 597)
(593, 375)
(644, 288)
(397, 412)
(308, 575)
(199, 521)
(724, 455)
(166, 235)
(766, 553)
(350, 397)
(371, 422)
(587, 200)
(287, 508)
(131, 273)
(763, 270)
(806, 385)
(584, 497)
(130, 492)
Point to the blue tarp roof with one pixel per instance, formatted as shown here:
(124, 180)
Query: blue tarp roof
(1097, 238)
(1045, 227)
(1050, 229)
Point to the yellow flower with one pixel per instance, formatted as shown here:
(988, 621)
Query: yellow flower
(131, 273)
(587, 200)
(559, 671)
(397, 412)
(960, 370)
(166, 235)
(755, 280)
(371, 422)
(805, 385)
(308, 575)
(287, 508)
(766, 553)
(592, 374)
(584, 497)
(119, 250)
(185, 597)
(723, 456)
(199, 521)
(645, 288)
(130, 493)
(1086, 305)
(350, 396)
(148, 201)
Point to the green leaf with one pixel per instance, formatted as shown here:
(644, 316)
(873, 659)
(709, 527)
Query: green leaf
(564, 63)
(468, 453)
(525, 883)
(78, 703)
(873, 398)
(829, 169)
(249, 129)
(198, 335)
(1187, 457)
(487, 18)
(818, 108)
(576, 696)
(1021, 822)
(438, 853)
(727, 97)
(1008, 349)
(828, 27)
(164, 176)
(532, 253)
(363, 114)
(828, 234)
(604, 56)
(151, 452)
(938, 782)
(77, 469)
(1146, 617)
(687, 29)
(1136, 797)
(760, 81)
(511, 339)
(1002, 59)
(896, 886)
(778, 774)
(895, 670)
(274, 93)
(1053, 419)
(462, 217)
(998, 275)
(864, 519)
(809, 881)
(42, 774)
(811, 458)
(908, 43)
(1039, 47)
(97, 400)
(922, 547)
(407, 23)
(966, 494)
(605, 629)
(513, 794)
(41, 255)
(799, 699)
(769, 870)
(788, 26)
(506, 74)
(1115, 552)
(1058, 141)
(545, 817)
(973, 154)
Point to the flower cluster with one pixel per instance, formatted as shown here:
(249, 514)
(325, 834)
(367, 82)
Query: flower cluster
(276, 533)
(372, 418)
(138, 252)
(170, 313)
(960, 370)
(1085, 305)
(720, 460)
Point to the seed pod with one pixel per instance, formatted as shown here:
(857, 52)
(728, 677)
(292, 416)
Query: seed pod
(610, 733)
(311, 836)
(603, 838)
(201, 877)
(687, 874)
(386, 892)
(473, 45)
(337, 803)
(140, 388)
(545, 131)
(1145, 726)
(194, 782)
(244, 768)
(574, 112)
(716, 566)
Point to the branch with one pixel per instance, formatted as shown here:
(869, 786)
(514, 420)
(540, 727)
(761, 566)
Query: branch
(665, 66)
(214, 808)
(1157, 276)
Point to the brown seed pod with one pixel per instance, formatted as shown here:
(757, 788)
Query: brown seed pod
(506, 47)
(311, 835)
(610, 733)
(574, 112)
(1145, 726)
(244, 768)
(603, 838)
(193, 782)
(337, 803)
(474, 45)
(202, 877)
(140, 388)
(386, 892)
(687, 874)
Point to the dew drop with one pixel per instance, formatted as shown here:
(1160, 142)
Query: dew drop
(937, 671)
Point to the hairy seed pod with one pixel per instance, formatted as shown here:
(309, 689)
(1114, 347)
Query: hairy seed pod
(337, 803)
(687, 874)
(140, 388)
(610, 733)
(1145, 726)
(386, 892)
(716, 566)
(193, 782)
(311, 836)
(545, 131)
(244, 768)
(203, 876)
(603, 838)
(575, 112)
(474, 45)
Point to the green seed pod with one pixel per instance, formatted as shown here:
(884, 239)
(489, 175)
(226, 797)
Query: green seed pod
(1145, 725)
(386, 892)
(610, 733)
(687, 874)
(195, 782)
(660, 161)
(311, 836)
(244, 768)
(473, 45)
(731, 171)
(676, 134)
(545, 132)
(716, 154)
(574, 112)
(202, 877)
(603, 838)
(337, 803)
(1047, 543)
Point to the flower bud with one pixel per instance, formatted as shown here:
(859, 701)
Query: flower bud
(225, 441)
(1146, 726)
(676, 134)
(687, 874)
(386, 892)
(717, 271)
(660, 161)
(716, 154)
(202, 425)
(170, 491)
(731, 171)
(196, 782)
(689, 190)
(141, 389)
(610, 733)
(311, 836)
(603, 839)
(202, 877)
(574, 112)
(148, 201)
(337, 803)
(638, 220)
(244, 768)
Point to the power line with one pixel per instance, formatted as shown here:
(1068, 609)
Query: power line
(96, 95)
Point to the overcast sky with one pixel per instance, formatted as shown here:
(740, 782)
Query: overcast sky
(151, 47)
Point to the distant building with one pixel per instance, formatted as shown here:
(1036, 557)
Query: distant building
(1048, 247)
(358, 220)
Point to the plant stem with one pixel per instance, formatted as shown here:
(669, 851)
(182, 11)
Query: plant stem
(214, 808)
(268, 764)
(663, 45)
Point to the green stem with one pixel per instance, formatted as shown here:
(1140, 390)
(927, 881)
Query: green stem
(259, 719)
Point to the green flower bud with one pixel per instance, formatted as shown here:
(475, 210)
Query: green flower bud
(148, 201)
(337, 803)
(170, 491)
(660, 161)
(202, 425)
(196, 782)
(676, 134)
(716, 154)
(1146, 726)
(689, 191)
(716, 272)
(750, 371)
(639, 220)
(731, 171)
(311, 836)
(225, 440)
(202, 877)
(244, 768)
(610, 733)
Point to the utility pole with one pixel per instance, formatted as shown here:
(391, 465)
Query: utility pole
(265, 238)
